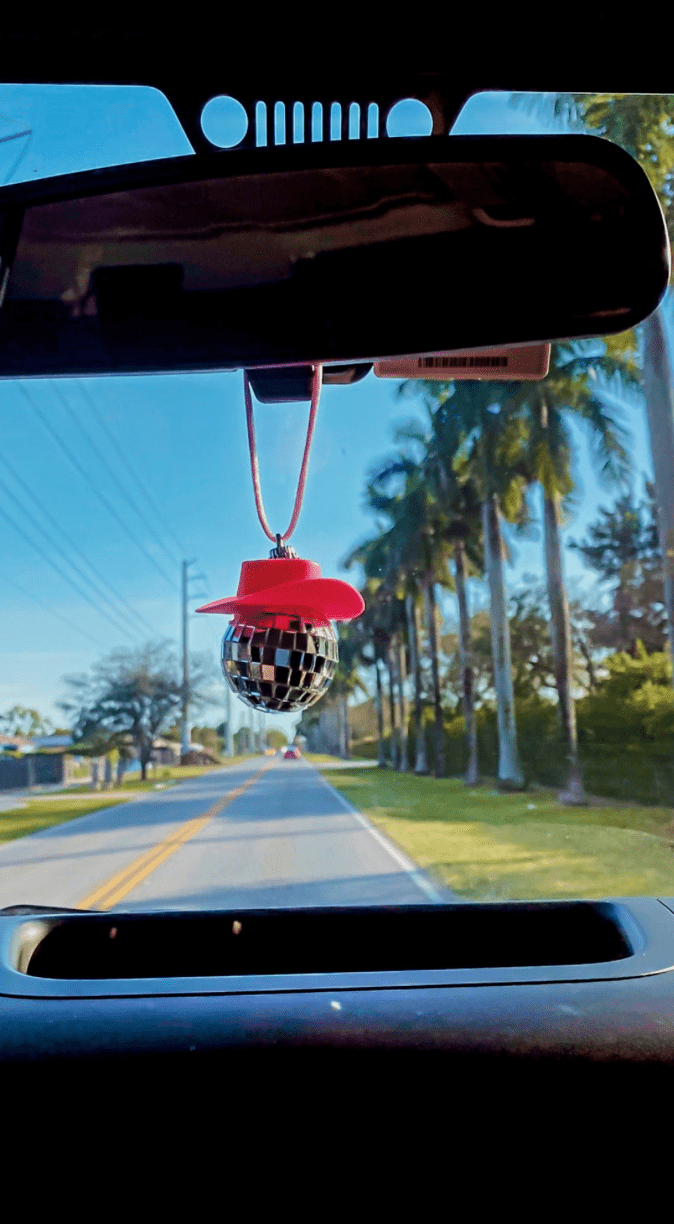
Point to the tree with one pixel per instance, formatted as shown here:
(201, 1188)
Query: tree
(130, 695)
(209, 737)
(633, 701)
(243, 740)
(488, 445)
(481, 663)
(416, 551)
(346, 682)
(22, 721)
(460, 506)
(385, 563)
(372, 630)
(641, 124)
(570, 390)
(531, 652)
(276, 739)
(622, 547)
(533, 657)
(414, 639)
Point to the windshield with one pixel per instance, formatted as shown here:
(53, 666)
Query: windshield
(498, 724)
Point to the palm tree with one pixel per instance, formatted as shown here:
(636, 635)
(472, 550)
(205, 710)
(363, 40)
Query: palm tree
(460, 505)
(414, 639)
(373, 632)
(382, 625)
(346, 682)
(415, 554)
(641, 124)
(422, 550)
(402, 584)
(569, 390)
(490, 452)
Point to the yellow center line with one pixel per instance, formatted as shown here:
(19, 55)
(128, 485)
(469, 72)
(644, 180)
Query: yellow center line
(119, 885)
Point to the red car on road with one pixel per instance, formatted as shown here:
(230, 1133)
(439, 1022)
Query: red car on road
(292, 754)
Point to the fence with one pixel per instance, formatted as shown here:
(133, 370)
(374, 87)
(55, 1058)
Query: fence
(33, 769)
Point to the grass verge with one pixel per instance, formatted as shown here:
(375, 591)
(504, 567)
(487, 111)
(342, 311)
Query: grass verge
(56, 807)
(490, 847)
(41, 813)
(322, 758)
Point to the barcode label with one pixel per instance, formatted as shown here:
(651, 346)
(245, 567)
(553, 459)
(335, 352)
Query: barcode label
(459, 363)
(527, 363)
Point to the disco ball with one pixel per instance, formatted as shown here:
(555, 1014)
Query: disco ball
(281, 665)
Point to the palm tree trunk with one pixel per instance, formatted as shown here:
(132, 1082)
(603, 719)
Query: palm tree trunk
(390, 661)
(420, 762)
(510, 774)
(403, 763)
(346, 738)
(340, 727)
(429, 592)
(381, 760)
(660, 408)
(561, 645)
(465, 648)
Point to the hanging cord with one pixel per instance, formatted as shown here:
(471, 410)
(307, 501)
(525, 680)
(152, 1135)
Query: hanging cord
(255, 471)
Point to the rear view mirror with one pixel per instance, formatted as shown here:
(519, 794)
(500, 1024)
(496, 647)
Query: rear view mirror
(337, 253)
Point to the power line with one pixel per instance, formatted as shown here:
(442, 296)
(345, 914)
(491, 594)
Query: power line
(102, 459)
(136, 541)
(71, 544)
(134, 475)
(58, 569)
(85, 475)
(52, 611)
(57, 547)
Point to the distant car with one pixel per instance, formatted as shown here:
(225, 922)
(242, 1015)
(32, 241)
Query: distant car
(270, 752)
(292, 754)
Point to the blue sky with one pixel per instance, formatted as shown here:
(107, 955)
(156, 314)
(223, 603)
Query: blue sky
(184, 438)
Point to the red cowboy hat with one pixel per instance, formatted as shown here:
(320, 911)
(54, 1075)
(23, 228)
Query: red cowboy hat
(291, 586)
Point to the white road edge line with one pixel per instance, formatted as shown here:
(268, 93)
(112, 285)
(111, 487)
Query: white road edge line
(419, 878)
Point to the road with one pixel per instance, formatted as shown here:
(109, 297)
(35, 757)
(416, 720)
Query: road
(265, 833)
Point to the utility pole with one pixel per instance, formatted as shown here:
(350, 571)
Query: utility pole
(185, 720)
(229, 739)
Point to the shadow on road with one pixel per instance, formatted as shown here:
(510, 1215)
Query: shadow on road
(394, 888)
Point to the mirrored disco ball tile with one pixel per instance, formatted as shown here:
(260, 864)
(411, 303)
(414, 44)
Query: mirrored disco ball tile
(279, 669)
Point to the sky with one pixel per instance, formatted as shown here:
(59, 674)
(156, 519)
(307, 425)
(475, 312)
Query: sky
(177, 447)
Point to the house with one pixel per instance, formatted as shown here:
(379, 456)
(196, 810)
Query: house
(52, 741)
(198, 755)
(17, 743)
(166, 752)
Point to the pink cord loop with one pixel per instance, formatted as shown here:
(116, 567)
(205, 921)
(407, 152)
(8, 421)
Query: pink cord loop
(254, 468)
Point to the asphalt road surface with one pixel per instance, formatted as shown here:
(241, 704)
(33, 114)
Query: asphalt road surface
(265, 833)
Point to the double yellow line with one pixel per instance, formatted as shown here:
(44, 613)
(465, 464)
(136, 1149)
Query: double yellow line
(119, 885)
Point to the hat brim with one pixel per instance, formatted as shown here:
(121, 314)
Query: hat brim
(310, 598)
